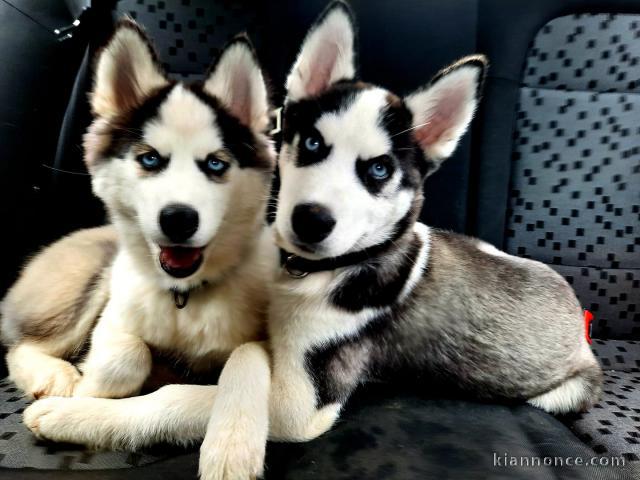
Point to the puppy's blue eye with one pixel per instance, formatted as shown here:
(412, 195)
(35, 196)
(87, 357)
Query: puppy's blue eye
(378, 170)
(216, 166)
(312, 144)
(150, 161)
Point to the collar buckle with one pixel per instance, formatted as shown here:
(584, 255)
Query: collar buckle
(277, 120)
(291, 270)
(180, 299)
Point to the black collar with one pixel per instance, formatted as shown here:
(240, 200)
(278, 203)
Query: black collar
(299, 267)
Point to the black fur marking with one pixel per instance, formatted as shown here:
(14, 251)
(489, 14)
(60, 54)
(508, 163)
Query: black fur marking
(401, 346)
(238, 139)
(377, 353)
(372, 184)
(378, 281)
(127, 128)
(303, 114)
(372, 354)
(397, 120)
(338, 368)
(307, 157)
(300, 117)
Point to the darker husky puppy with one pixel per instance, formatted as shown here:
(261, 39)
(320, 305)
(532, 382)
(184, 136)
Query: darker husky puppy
(368, 292)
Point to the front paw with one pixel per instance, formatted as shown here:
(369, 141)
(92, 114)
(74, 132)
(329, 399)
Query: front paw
(55, 382)
(44, 417)
(233, 452)
(59, 419)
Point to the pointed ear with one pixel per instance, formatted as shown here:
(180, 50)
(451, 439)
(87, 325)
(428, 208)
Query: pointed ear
(236, 80)
(443, 110)
(327, 54)
(127, 71)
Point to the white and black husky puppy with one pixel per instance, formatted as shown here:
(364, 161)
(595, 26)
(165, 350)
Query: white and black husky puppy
(184, 172)
(365, 291)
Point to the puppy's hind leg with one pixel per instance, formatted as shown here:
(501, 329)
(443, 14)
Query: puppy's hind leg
(575, 394)
(39, 374)
(49, 313)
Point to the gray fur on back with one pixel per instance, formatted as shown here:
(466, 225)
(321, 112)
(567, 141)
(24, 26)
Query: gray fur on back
(502, 326)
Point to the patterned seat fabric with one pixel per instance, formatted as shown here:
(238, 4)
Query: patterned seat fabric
(612, 426)
(190, 33)
(575, 201)
(575, 196)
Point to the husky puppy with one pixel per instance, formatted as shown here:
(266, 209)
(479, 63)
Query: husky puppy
(184, 172)
(365, 292)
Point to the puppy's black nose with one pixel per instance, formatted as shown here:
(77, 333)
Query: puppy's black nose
(178, 222)
(312, 222)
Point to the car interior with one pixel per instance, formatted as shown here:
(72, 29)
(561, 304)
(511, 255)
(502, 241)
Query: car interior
(549, 170)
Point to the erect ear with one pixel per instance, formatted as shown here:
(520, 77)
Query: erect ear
(127, 72)
(327, 54)
(236, 80)
(443, 110)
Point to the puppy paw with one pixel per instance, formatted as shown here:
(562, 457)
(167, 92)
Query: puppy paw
(62, 419)
(232, 454)
(55, 382)
(44, 416)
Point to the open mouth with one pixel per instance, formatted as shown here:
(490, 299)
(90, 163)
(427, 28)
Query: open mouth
(180, 262)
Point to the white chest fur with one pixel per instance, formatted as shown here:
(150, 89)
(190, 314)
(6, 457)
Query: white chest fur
(216, 319)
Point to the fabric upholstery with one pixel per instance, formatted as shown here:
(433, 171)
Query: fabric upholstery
(383, 435)
(574, 201)
(505, 32)
(189, 34)
(576, 164)
(612, 426)
(619, 355)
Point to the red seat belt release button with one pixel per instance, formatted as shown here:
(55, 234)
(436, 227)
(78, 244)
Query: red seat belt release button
(588, 319)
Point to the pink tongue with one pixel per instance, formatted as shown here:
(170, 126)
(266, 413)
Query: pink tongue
(179, 257)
